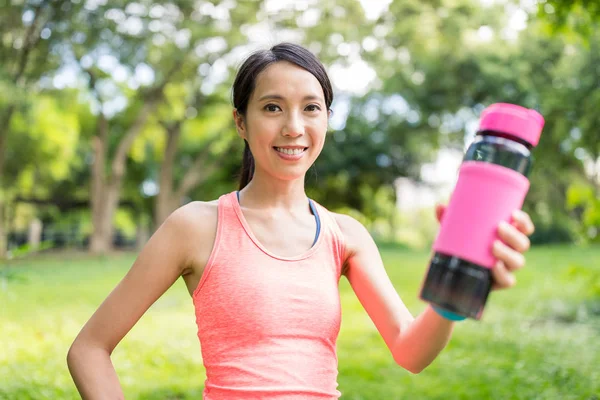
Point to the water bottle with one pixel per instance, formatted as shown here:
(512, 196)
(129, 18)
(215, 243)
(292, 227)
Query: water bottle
(492, 183)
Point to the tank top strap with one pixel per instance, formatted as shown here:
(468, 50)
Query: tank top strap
(226, 210)
(226, 221)
(331, 229)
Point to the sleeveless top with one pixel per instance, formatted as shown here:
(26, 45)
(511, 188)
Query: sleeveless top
(267, 324)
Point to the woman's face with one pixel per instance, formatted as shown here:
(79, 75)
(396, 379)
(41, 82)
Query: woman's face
(285, 122)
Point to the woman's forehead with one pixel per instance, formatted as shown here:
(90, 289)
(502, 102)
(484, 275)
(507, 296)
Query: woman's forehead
(287, 80)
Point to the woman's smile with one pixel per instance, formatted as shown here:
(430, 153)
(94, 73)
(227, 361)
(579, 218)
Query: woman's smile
(290, 153)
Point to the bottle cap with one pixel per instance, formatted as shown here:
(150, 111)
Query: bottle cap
(521, 122)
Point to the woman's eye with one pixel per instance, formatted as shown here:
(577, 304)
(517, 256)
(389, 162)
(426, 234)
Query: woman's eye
(272, 107)
(312, 107)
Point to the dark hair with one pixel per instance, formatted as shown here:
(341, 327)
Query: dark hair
(245, 82)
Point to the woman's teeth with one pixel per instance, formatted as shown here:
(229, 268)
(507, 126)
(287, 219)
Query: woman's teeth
(289, 151)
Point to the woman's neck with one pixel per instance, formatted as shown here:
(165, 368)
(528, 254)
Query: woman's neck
(266, 192)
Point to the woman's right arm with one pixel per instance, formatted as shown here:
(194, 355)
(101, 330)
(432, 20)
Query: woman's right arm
(165, 257)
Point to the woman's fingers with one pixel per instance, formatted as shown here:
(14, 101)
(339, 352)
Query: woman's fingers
(522, 221)
(508, 251)
(502, 277)
(513, 237)
(512, 259)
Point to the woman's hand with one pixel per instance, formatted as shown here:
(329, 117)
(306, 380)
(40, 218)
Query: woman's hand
(510, 249)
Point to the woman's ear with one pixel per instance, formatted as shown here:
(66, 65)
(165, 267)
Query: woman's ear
(240, 126)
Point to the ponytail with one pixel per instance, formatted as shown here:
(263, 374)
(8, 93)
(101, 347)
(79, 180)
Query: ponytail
(247, 166)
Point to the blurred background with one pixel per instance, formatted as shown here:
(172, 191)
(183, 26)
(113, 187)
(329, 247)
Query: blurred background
(115, 113)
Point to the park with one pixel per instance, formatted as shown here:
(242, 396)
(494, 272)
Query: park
(115, 114)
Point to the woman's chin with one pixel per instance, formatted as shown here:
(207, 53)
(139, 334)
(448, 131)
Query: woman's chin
(290, 176)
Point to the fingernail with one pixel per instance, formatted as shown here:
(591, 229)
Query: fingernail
(512, 281)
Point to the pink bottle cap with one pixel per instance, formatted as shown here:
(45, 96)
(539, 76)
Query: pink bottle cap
(514, 120)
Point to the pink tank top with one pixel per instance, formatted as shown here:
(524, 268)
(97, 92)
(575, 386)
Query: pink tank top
(268, 325)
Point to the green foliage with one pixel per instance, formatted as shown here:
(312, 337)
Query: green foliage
(42, 144)
(375, 147)
(27, 250)
(589, 275)
(555, 232)
(125, 222)
(573, 18)
(585, 199)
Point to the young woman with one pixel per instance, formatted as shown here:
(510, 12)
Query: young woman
(262, 264)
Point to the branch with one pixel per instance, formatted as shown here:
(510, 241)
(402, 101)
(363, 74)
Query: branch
(199, 171)
(32, 37)
(4, 121)
(118, 164)
(100, 145)
(154, 96)
(173, 134)
(65, 204)
(92, 85)
(166, 167)
(156, 91)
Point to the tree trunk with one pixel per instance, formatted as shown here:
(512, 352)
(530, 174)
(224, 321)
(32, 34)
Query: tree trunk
(143, 233)
(166, 202)
(3, 233)
(100, 240)
(30, 40)
(107, 191)
(169, 198)
(4, 122)
(34, 236)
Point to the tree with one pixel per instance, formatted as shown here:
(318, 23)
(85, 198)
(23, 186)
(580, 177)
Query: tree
(196, 158)
(166, 43)
(32, 33)
(577, 18)
(575, 98)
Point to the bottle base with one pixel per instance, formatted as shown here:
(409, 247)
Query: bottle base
(457, 286)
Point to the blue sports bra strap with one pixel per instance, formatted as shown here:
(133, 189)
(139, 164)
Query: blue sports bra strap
(316, 214)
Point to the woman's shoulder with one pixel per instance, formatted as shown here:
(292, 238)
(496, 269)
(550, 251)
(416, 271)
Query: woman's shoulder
(196, 227)
(194, 212)
(194, 219)
(348, 224)
(195, 209)
(354, 231)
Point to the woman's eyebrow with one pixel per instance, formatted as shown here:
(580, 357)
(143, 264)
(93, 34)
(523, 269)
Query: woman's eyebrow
(280, 97)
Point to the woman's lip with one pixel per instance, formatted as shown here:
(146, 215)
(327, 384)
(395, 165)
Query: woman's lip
(290, 157)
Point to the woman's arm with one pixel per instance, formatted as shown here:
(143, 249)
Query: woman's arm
(415, 343)
(164, 258)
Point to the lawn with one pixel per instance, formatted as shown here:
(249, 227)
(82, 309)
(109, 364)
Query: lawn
(540, 340)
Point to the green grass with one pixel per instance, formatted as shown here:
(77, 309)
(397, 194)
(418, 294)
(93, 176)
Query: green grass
(536, 341)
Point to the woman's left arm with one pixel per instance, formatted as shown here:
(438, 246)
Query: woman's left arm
(416, 342)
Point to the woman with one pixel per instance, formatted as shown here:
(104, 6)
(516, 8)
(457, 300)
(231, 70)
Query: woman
(262, 264)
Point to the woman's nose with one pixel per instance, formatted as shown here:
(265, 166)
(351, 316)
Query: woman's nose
(294, 126)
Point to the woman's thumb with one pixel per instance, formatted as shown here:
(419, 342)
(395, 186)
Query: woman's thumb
(439, 211)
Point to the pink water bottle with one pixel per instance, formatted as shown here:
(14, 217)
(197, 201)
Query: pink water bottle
(492, 183)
